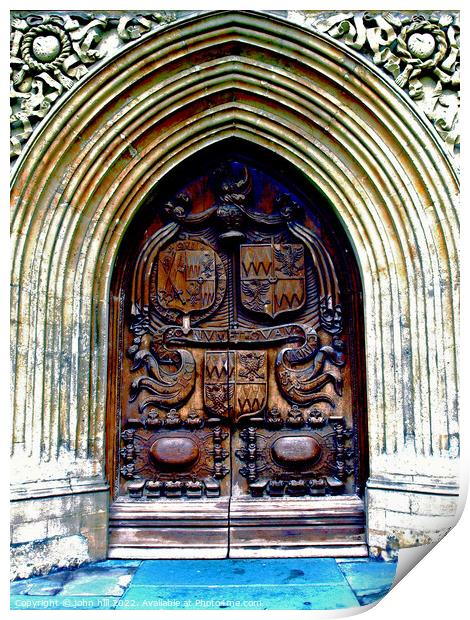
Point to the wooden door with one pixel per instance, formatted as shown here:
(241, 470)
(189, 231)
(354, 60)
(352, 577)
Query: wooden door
(235, 374)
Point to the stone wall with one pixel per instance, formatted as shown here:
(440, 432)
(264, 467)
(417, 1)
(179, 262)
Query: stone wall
(53, 532)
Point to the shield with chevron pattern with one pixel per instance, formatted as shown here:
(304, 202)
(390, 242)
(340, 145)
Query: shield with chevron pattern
(272, 277)
(235, 383)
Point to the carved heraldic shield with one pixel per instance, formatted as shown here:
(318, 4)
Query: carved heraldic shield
(187, 276)
(272, 277)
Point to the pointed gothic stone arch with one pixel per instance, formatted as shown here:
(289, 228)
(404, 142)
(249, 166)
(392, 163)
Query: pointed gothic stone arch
(344, 126)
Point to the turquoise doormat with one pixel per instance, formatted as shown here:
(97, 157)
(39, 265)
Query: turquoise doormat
(294, 583)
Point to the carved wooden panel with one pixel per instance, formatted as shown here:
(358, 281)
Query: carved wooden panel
(237, 367)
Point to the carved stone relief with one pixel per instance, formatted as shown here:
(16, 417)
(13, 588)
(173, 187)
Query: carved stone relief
(51, 52)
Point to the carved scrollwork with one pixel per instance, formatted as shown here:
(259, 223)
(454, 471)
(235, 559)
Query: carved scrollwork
(322, 261)
(52, 52)
(331, 316)
(289, 210)
(167, 388)
(184, 312)
(177, 209)
(301, 383)
(231, 212)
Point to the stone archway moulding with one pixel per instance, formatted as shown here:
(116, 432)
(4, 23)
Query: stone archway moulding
(82, 180)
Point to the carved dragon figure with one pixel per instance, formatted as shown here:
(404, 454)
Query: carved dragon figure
(300, 372)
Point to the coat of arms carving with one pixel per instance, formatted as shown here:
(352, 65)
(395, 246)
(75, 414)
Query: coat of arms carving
(272, 277)
(187, 276)
(235, 383)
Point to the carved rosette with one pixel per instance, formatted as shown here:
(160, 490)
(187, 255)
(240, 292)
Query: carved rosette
(50, 52)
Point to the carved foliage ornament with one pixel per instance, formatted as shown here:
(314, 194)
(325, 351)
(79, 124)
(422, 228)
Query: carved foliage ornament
(51, 52)
(420, 52)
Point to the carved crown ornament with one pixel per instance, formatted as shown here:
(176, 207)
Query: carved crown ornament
(52, 51)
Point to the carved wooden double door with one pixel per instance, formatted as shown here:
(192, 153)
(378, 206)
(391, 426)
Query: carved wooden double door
(233, 378)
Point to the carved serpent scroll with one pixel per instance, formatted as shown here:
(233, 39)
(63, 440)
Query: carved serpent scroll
(301, 374)
(167, 387)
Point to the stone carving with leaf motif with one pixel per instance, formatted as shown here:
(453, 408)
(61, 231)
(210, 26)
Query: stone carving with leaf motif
(53, 51)
(50, 52)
